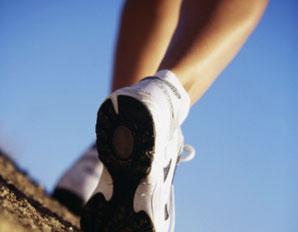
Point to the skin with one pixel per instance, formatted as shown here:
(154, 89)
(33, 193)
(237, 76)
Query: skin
(209, 33)
(143, 23)
(195, 39)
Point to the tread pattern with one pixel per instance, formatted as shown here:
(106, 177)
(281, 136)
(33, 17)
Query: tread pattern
(117, 215)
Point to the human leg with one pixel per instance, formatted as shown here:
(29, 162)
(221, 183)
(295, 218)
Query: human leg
(144, 34)
(208, 36)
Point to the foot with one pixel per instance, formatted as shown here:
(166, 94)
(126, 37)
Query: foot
(78, 183)
(140, 143)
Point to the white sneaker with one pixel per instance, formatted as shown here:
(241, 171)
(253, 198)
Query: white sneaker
(77, 184)
(140, 144)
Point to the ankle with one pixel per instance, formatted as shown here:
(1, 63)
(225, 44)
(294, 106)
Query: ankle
(178, 95)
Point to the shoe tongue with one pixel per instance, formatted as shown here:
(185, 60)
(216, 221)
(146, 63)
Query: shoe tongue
(178, 95)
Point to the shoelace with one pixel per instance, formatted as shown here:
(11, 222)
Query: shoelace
(191, 154)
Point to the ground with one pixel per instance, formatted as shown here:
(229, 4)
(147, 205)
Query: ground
(25, 206)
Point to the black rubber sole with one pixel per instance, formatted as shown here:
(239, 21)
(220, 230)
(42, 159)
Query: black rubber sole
(69, 199)
(125, 143)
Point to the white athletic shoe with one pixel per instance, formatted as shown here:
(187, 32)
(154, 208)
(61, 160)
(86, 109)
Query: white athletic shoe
(77, 184)
(140, 143)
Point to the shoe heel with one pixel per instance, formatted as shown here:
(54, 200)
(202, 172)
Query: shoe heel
(102, 216)
(125, 144)
(125, 140)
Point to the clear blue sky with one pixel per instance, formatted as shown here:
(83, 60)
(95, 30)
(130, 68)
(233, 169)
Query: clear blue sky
(55, 65)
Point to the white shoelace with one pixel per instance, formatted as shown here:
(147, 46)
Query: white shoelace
(191, 154)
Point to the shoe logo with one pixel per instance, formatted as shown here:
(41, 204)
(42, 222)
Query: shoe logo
(166, 170)
(172, 87)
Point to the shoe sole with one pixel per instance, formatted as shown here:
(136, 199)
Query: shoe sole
(69, 199)
(125, 143)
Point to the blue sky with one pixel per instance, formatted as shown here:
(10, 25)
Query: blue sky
(55, 65)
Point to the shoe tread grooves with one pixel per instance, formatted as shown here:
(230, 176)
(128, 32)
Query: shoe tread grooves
(118, 214)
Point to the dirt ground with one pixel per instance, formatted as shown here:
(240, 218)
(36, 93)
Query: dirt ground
(24, 206)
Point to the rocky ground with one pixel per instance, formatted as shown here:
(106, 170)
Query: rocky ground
(24, 206)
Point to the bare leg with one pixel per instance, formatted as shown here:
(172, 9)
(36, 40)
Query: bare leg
(145, 33)
(208, 35)
(135, 189)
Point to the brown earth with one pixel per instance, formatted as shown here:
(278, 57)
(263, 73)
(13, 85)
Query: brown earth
(25, 206)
